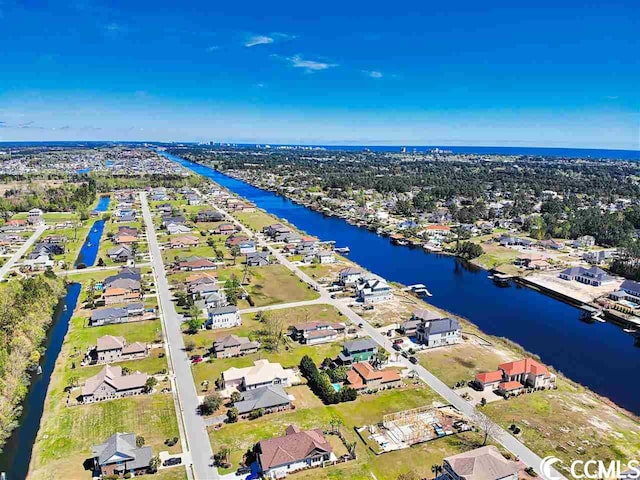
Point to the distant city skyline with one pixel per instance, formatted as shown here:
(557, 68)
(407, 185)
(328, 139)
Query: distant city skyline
(553, 74)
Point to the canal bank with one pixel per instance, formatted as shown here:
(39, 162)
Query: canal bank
(600, 356)
(90, 247)
(16, 454)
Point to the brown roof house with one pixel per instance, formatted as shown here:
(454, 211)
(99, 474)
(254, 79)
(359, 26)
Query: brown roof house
(485, 463)
(363, 376)
(234, 346)
(296, 450)
(184, 241)
(110, 383)
(120, 455)
(109, 348)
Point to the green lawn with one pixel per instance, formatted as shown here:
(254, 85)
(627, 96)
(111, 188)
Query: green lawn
(256, 221)
(277, 284)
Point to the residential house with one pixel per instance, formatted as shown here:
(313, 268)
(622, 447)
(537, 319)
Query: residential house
(275, 230)
(271, 398)
(349, 276)
(184, 241)
(325, 257)
(204, 216)
(35, 216)
(598, 257)
(112, 315)
(439, 332)
(247, 247)
(409, 327)
(586, 241)
(313, 333)
(372, 289)
(109, 349)
(527, 373)
(177, 220)
(223, 317)
(192, 264)
(225, 229)
(177, 228)
(234, 346)
(124, 238)
(40, 262)
(235, 240)
(358, 350)
(484, 463)
(629, 291)
(120, 455)
(363, 376)
(258, 259)
(113, 295)
(128, 278)
(590, 276)
(121, 253)
(262, 373)
(296, 450)
(110, 384)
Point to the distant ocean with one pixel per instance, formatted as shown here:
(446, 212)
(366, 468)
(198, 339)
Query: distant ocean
(533, 151)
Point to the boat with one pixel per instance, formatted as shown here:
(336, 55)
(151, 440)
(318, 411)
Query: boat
(342, 249)
(629, 330)
(64, 309)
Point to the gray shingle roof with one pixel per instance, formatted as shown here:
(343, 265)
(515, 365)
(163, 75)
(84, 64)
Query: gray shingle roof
(122, 446)
(264, 397)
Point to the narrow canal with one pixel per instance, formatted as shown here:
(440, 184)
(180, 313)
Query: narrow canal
(600, 356)
(16, 455)
(91, 245)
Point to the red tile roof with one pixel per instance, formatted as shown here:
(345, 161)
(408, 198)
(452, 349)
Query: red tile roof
(527, 365)
(508, 386)
(489, 377)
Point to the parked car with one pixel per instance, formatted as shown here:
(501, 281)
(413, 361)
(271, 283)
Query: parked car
(170, 462)
(361, 325)
(243, 471)
(413, 360)
(196, 359)
(397, 347)
(398, 341)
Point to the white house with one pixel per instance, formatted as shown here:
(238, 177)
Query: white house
(261, 374)
(325, 257)
(223, 317)
(41, 262)
(373, 290)
(349, 275)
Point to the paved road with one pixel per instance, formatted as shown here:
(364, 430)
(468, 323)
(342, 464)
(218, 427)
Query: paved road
(21, 251)
(195, 429)
(500, 435)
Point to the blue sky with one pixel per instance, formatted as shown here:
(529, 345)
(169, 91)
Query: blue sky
(544, 73)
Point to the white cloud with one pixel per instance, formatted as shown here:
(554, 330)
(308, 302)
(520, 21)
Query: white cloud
(258, 40)
(309, 66)
(373, 73)
(213, 48)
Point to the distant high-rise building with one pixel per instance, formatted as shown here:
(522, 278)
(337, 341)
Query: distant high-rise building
(403, 149)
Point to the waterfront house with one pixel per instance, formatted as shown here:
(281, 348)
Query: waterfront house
(358, 350)
(110, 384)
(112, 315)
(123, 238)
(121, 253)
(261, 374)
(113, 295)
(184, 241)
(363, 376)
(269, 399)
(275, 230)
(629, 291)
(225, 229)
(349, 276)
(223, 317)
(120, 455)
(527, 373)
(409, 327)
(258, 259)
(313, 333)
(39, 262)
(109, 348)
(234, 346)
(589, 276)
(128, 278)
(438, 332)
(296, 450)
(373, 290)
(325, 257)
(484, 463)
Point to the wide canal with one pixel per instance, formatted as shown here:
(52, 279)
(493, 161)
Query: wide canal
(600, 355)
(91, 246)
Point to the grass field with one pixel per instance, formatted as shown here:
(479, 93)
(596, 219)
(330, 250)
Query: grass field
(256, 221)
(277, 284)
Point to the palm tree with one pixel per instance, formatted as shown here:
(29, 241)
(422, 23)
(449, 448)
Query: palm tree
(436, 470)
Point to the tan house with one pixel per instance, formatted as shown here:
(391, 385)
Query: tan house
(234, 346)
(110, 384)
(484, 463)
(115, 295)
(109, 348)
(512, 377)
(184, 241)
(363, 376)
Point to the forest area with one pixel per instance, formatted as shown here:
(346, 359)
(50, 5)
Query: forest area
(26, 312)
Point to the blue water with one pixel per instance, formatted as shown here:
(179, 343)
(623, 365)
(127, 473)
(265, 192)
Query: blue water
(16, 454)
(91, 245)
(600, 355)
